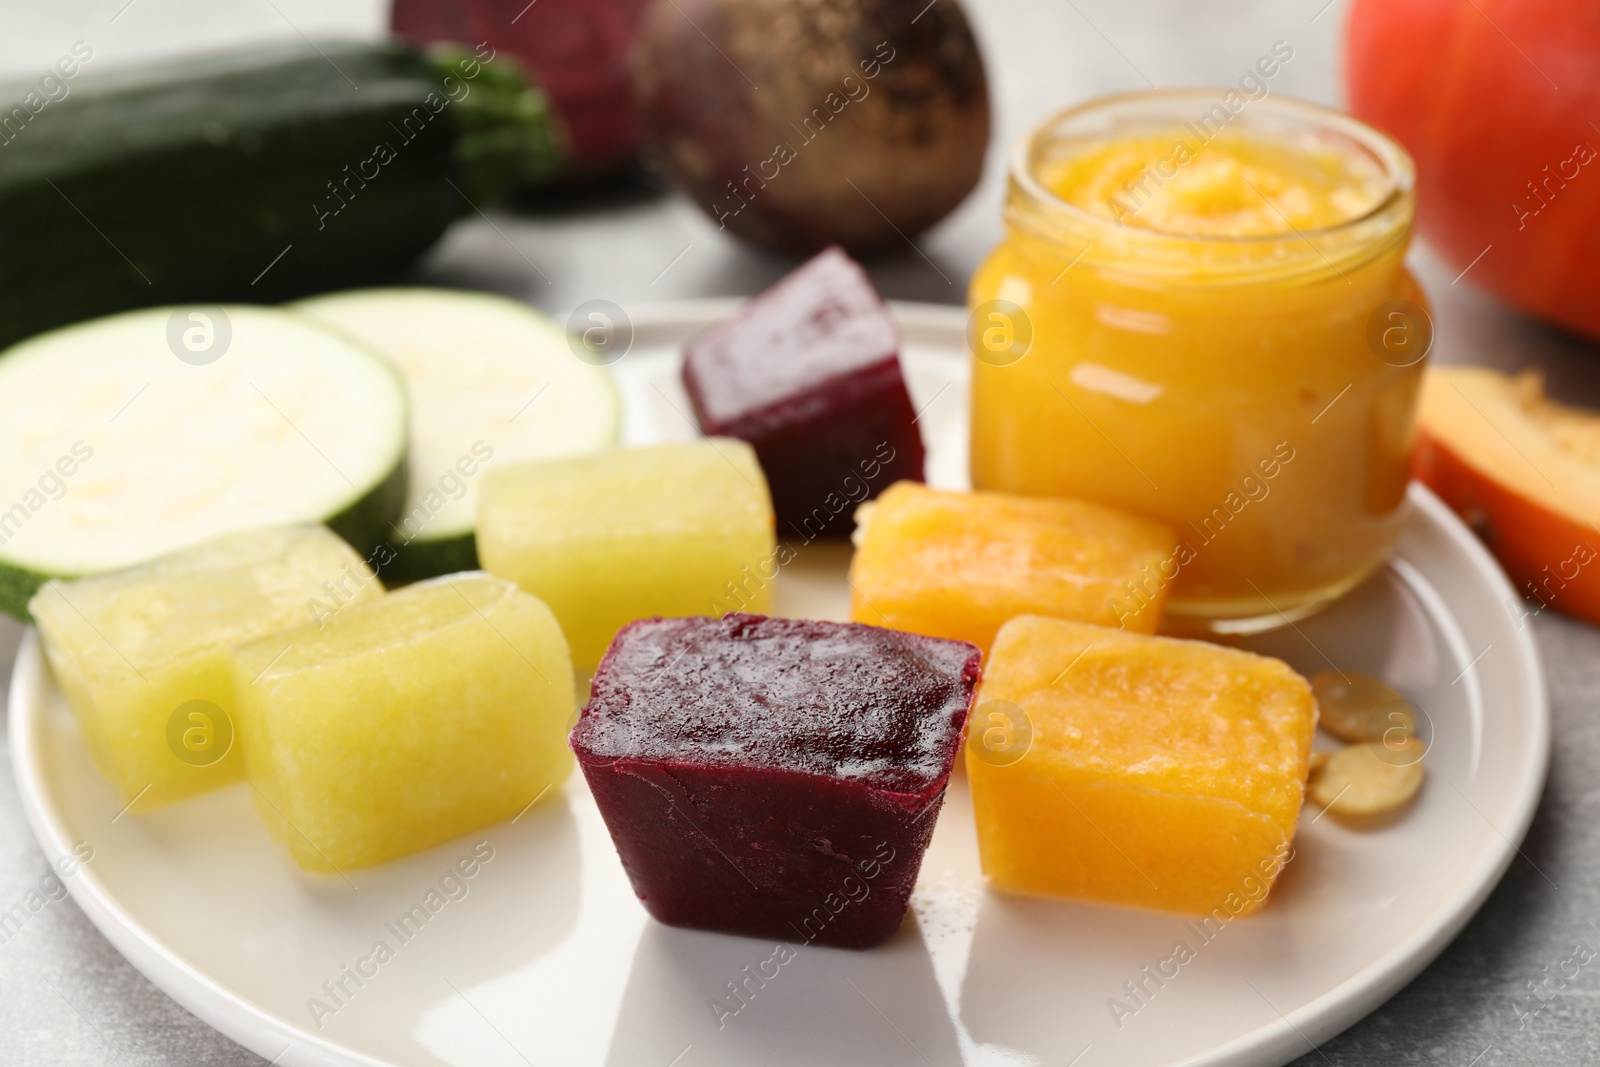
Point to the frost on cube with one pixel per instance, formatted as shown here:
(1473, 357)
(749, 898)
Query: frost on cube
(1117, 767)
(959, 565)
(809, 373)
(142, 654)
(435, 711)
(679, 529)
(776, 778)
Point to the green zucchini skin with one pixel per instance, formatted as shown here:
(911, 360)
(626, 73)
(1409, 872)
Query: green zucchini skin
(365, 525)
(17, 586)
(256, 176)
(416, 560)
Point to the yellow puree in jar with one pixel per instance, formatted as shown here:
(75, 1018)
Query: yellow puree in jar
(1237, 185)
(1200, 354)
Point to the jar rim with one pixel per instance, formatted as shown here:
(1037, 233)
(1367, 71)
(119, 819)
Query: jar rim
(1398, 169)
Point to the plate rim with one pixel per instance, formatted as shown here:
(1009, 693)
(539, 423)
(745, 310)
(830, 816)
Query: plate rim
(1318, 1019)
(1361, 993)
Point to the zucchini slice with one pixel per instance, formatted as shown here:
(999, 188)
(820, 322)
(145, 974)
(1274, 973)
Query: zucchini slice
(491, 381)
(115, 449)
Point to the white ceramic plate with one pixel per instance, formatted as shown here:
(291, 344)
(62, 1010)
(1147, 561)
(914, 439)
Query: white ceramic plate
(544, 956)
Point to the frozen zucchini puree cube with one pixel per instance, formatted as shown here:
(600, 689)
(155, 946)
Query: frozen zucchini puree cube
(776, 778)
(670, 530)
(1117, 767)
(142, 654)
(959, 565)
(439, 709)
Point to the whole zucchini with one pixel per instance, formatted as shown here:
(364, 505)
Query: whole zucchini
(254, 176)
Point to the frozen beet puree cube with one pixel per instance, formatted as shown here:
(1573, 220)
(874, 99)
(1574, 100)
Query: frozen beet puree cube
(809, 373)
(776, 778)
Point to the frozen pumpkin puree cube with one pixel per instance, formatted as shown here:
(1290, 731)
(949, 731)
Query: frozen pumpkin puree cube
(678, 529)
(959, 565)
(1117, 767)
(776, 778)
(434, 711)
(142, 654)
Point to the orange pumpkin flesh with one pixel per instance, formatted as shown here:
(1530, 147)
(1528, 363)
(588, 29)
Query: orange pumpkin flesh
(1524, 472)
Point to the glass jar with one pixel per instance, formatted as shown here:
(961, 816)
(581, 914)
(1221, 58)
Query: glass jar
(1201, 313)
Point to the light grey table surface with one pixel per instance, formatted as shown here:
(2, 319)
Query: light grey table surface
(68, 998)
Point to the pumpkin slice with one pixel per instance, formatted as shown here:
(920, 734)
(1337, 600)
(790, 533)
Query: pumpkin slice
(1522, 470)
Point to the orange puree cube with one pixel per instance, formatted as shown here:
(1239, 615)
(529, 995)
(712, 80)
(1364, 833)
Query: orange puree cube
(958, 565)
(1128, 769)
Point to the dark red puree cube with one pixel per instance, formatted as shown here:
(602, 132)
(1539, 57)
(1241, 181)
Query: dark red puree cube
(808, 372)
(776, 778)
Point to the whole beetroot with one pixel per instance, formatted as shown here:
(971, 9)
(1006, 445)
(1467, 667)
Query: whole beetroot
(576, 50)
(802, 123)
